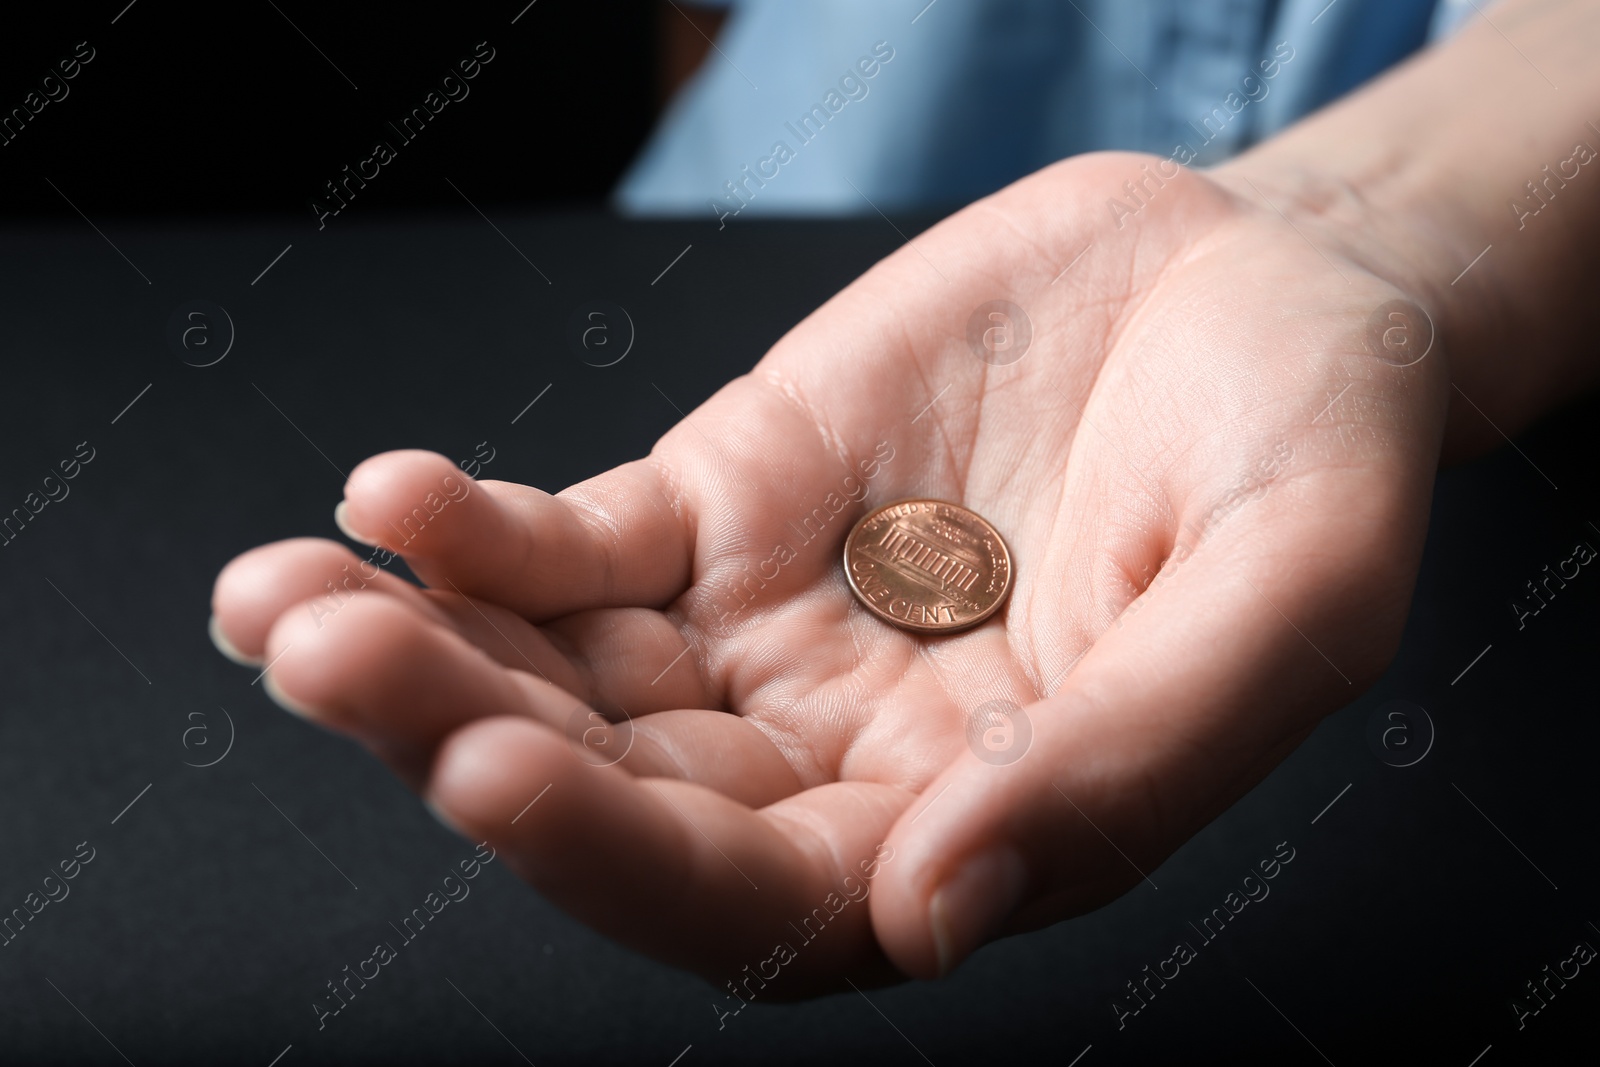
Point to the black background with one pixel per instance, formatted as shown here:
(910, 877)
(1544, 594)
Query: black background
(191, 109)
(207, 923)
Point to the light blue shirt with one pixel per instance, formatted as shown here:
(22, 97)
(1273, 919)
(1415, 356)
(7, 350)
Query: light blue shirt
(839, 106)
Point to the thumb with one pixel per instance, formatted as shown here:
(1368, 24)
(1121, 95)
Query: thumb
(1214, 676)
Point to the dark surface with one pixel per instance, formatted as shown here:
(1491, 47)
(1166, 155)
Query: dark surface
(206, 924)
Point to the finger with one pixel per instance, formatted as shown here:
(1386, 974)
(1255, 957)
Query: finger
(615, 658)
(384, 674)
(1159, 728)
(319, 578)
(615, 540)
(635, 658)
(318, 575)
(630, 660)
(674, 870)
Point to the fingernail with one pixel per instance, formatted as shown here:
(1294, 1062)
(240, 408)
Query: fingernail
(973, 902)
(341, 519)
(438, 813)
(284, 700)
(227, 647)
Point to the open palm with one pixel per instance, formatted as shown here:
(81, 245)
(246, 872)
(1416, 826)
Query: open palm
(1214, 490)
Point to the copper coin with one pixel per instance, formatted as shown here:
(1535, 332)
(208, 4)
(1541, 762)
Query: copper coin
(928, 566)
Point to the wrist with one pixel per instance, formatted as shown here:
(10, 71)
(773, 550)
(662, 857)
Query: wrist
(1372, 215)
(1494, 235)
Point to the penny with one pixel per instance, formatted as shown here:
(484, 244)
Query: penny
(927, 566)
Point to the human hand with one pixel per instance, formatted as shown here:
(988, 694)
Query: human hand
(1214, 489)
